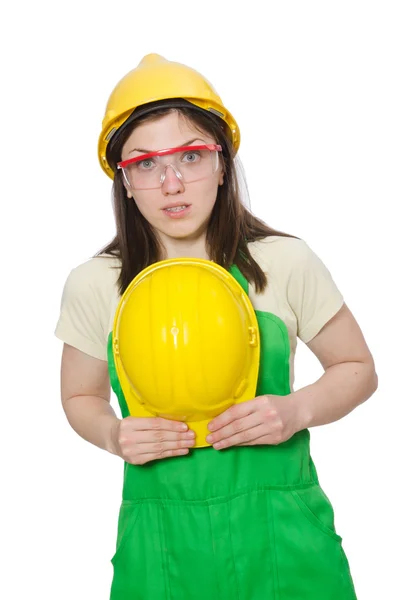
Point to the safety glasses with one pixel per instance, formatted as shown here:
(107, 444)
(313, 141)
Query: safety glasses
(189, 163)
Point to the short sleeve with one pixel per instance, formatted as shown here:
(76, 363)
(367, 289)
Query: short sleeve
(312, 293)
(82, 320)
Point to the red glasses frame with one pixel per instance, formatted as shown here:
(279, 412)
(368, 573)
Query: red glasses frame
(130, 161)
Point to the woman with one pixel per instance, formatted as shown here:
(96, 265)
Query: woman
(244, 518)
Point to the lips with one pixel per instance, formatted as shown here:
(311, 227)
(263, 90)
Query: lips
(176, 210)
(175, 205)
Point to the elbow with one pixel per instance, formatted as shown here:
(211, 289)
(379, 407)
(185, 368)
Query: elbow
(372, 379)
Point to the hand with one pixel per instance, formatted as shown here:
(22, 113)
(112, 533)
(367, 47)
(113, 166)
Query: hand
(263, 420)
(140, 440)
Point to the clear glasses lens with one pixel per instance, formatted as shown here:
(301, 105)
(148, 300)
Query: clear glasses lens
(189, 166)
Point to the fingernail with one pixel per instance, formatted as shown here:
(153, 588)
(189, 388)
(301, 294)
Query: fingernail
(210, 438)
(191, 434)
(218, 445)
(183, 427)
(210, 426)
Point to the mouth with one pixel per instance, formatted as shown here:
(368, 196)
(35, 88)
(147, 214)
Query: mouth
(176, 210)
(174, 207)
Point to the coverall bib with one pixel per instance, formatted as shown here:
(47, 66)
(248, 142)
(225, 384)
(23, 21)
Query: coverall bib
(245, 523)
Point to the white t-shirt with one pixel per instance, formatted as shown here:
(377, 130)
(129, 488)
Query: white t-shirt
(300, 291)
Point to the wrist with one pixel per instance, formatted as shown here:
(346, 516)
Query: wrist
(302, 402)
(112, 437)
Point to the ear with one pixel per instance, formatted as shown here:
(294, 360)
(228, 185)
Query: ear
(221, 178)
(127, 187)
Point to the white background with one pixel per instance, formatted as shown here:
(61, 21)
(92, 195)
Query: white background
(313, 88)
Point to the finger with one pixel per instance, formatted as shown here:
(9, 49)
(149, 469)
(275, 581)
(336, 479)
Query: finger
(244, 438)
(268, 439)
(237, 411)
(235, 427)
(157, 423)
(142, 459)
(160, 447)
(158, 436)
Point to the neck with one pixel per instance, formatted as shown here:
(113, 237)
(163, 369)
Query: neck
(179, 248)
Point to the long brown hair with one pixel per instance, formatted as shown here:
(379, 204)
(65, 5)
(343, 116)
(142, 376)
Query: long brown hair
(231, 227)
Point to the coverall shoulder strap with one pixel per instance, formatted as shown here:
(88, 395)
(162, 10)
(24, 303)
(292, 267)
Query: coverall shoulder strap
(237, 274)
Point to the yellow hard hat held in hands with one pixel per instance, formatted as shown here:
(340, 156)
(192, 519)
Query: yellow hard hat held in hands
(185, 343)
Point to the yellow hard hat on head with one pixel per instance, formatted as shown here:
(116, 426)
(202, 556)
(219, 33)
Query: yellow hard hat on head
(185, 343)
(154, 79)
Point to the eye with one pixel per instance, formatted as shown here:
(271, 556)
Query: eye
(148, 163)
(191, 156)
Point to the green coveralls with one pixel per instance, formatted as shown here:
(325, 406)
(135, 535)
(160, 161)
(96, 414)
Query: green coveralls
(245, 523)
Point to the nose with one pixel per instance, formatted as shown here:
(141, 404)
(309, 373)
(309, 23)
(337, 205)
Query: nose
(171, 183)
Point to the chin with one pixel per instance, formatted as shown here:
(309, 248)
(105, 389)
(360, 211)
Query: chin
(185, 235)
(184, 232)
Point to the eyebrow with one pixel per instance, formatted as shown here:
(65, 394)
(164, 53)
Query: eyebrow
(188, 143)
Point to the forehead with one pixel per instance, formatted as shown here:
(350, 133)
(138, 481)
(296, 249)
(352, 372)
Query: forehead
(168, 131)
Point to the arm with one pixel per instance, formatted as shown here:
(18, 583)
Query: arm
(85, 393)
(349, 378)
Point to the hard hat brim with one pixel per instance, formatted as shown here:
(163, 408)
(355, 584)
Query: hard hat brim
(152, 107)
